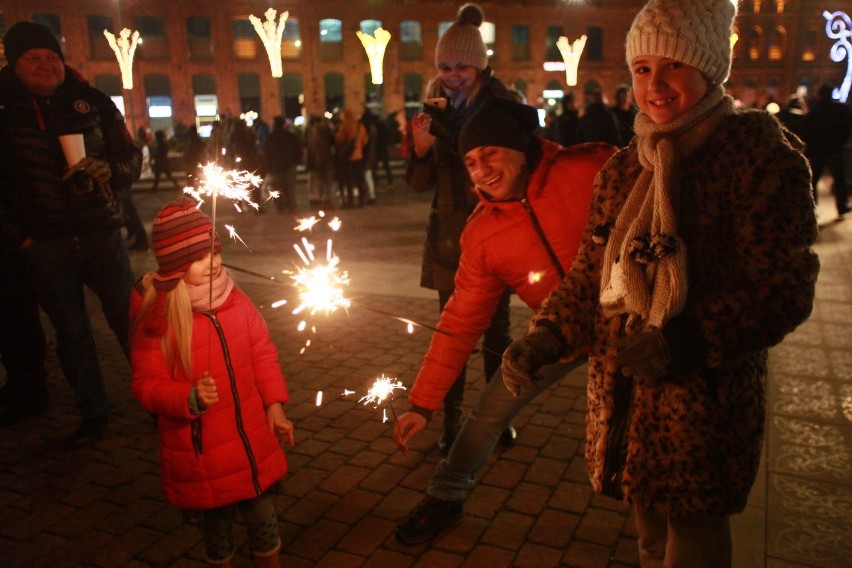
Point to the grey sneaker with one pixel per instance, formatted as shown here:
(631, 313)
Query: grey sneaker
(428, 518)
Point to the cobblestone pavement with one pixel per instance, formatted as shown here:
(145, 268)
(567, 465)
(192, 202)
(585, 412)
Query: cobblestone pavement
(348, 485)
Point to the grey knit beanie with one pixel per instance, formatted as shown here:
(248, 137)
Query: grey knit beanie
(462, 42)
(695, 32)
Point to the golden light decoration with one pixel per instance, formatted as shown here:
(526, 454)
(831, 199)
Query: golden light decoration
(375, 46)
(124, 48)
(271, 34)
(571, 53)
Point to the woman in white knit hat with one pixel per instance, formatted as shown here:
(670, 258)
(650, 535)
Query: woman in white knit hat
(697, 258)
(464, 81)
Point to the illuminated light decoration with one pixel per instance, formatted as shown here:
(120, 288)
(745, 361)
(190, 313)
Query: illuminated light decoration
(571, 53)
(375, 48)
(124, 48)
(839, 27)
(271, 35)
(734, 38)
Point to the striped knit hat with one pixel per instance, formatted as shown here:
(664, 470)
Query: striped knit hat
(462, 41)
(697, 32)
(180, 236)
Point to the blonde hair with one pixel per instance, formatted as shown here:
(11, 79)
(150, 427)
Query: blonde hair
(176, 342)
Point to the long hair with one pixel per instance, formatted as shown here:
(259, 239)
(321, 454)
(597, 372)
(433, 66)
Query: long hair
(176, 341)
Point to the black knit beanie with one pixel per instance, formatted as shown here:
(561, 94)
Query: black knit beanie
(499, 122)
(24, 36)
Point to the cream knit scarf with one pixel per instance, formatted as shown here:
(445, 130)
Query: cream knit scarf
(644, 268)
(199, 296)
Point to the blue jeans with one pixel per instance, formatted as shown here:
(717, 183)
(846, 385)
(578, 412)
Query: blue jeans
(59, 267)
(494, 342)
(491, 414)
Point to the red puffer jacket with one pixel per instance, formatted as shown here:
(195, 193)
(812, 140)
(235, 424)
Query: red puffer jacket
(503, 245)
(226, 454)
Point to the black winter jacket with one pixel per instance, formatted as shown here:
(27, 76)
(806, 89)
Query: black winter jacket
(35, 201)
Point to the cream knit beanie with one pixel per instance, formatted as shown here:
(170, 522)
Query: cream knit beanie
(462, 42)
(695, 32)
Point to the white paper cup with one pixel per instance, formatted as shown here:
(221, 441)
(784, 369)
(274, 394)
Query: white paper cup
(73, 147)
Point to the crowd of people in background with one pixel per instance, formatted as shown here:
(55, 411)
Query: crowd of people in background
(613, 292)
(340, 174)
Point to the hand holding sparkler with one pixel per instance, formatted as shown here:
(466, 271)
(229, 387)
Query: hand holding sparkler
(407, 426)
(278, 423)
(205, 391)
(382, 390)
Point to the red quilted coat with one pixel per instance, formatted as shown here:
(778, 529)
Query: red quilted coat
(226, 454)
(503, 245)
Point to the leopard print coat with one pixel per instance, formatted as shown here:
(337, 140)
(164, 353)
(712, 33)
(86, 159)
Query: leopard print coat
(690, 445)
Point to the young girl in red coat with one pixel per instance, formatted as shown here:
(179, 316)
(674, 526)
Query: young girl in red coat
(204, 363)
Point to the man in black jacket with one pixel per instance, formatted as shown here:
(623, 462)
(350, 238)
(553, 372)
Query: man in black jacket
(59, 209)
(828, 126)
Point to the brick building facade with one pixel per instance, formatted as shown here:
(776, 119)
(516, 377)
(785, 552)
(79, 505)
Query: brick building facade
(205, 54)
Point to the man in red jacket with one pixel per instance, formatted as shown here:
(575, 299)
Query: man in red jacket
(534, 200)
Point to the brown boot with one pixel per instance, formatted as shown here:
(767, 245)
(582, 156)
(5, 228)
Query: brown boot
(268, 559)
(226, 563)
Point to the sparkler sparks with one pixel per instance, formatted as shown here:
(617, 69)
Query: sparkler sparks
(233, 234)
(381, 390)
(306, 224)
(232, 184)
(320, 284)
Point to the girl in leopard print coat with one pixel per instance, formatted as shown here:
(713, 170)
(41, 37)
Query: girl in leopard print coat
(696, 259)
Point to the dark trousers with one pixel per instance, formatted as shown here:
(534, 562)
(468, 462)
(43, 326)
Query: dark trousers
(135, 229)
(494, 342)
(837, 169)
(22, 344)
(353, 176)
(59, 268)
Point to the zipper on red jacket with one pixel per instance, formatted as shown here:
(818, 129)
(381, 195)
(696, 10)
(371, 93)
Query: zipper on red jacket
(236, 395)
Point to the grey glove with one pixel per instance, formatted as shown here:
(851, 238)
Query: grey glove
(645, 355)
(525, 356)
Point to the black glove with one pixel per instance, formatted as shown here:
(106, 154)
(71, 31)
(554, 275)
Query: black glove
(645, 355)
(523, 357)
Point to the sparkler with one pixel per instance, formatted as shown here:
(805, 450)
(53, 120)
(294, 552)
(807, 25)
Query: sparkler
(320, 283)
(381, 391)
(232, 184)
